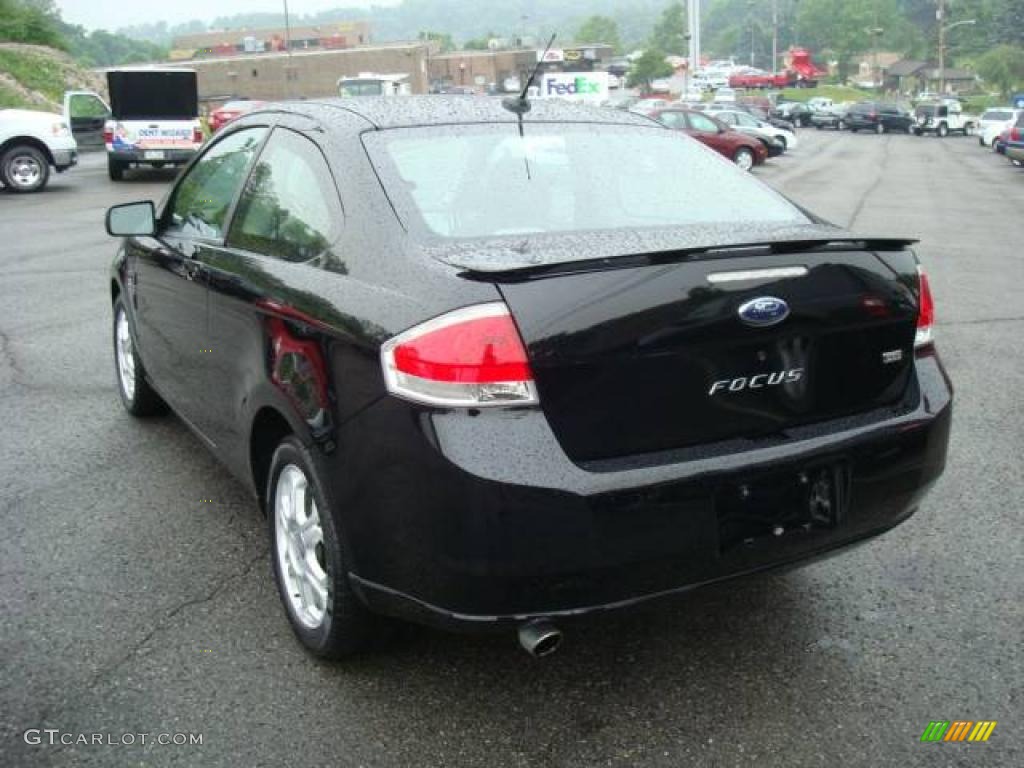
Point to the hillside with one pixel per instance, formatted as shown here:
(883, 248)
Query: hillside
(35, 77)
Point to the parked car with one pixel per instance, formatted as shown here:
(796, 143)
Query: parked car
(765, 115)
(834, 117)
(999, 143)
(232, 110)
(942, 118)
(750, 125)
(1013, 146)
(482, 398)
(795, 112)
(646, 106)
(725, 96)
(994, 121)
(742, 149)
(154, 118)
(878, 117)
(31, 143)
(820, 104)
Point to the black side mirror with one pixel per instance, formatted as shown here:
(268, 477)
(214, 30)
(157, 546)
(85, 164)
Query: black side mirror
(132, 219)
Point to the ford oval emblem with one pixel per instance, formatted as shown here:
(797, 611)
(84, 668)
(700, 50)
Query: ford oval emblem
(764, 311)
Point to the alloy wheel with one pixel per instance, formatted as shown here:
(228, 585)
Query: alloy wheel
(299, 544)
(125, 355)
(745, 159)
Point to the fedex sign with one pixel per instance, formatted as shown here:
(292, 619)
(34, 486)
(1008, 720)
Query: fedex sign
(577, 86)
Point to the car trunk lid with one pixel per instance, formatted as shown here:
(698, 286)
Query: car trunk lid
(656, 353)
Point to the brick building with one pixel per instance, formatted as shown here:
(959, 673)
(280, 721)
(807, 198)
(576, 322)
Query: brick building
(305, 74)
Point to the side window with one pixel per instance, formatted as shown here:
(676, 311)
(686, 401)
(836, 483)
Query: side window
(701, 123)
(203, 198)
(672, 119)
(727, 117)
(290, 207)
(86, 105)
(748, 120)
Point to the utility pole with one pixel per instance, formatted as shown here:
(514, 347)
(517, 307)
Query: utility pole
(940, 16)
(288, 49)
(775, 36)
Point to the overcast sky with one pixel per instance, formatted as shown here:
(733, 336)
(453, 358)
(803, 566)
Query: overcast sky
(111, 14)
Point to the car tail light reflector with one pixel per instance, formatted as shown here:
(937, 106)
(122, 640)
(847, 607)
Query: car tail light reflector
(108, 132)
(197, 135)
(469, 358)
(925, 311)
(1015, 134)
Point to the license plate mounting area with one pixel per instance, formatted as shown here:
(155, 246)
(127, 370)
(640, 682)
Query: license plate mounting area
(781, 506)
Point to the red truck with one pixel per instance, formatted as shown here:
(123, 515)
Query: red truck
(801, 74)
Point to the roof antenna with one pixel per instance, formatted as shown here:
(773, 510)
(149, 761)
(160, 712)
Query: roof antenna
(520, 104)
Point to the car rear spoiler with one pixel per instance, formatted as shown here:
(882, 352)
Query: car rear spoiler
(495, 273)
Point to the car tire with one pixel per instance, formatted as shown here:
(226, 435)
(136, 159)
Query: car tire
(880, 128)
(942, 131)
(24, 169)
(783, 142)
(137, 396)
(818, 126)
(744, 158)
(310, 557)
(115, 169)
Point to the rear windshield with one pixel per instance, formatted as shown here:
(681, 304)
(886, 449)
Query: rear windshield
(997, 114)
(487, 180)
(153, 95)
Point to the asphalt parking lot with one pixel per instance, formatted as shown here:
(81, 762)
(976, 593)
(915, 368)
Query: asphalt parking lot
(136, 592)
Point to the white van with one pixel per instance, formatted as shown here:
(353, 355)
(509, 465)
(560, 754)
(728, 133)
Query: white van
(154, 118)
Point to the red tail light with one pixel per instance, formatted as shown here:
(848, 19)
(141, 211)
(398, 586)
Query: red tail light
(108, 133)
(925, 311)
(197, 135)
(471, 357)
(1014, 134)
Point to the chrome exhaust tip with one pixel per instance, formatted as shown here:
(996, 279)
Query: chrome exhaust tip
(540, 637)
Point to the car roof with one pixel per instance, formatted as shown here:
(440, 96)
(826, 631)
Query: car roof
(385, 112)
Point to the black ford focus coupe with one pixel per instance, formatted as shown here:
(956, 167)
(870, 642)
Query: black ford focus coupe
(490, 367)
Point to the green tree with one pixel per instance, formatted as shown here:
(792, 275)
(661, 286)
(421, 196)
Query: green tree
(1003, 67)
(1008, 22)
(477, 44)
(650, 66)
(669, 33)
(30, 22)
(599, 29)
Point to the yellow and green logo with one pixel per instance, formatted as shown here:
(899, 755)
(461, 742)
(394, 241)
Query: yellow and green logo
(958, 730)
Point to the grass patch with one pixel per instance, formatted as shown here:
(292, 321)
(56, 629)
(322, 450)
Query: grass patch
(11, 99)
(37, 73)
(837, 93)
(975, 105)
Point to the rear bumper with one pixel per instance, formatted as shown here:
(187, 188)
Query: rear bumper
(171, 156)
(481, 521)
(1014, 150)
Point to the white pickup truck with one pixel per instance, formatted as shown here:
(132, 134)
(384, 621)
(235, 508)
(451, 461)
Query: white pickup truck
(30, 144)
